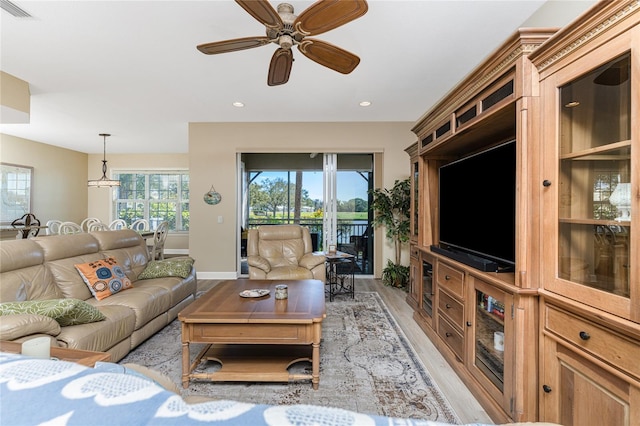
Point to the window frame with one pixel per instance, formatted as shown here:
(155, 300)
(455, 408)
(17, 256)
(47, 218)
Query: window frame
(27, 195)
(146, 202)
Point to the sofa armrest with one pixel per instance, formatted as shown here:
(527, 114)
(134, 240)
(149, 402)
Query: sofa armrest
(20, 325)
(311, 260)
(259, 262)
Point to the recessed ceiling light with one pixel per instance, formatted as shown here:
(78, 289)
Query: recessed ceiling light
(365, 103)
(238, 104)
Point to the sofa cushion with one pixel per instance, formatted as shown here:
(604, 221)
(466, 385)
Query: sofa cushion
(146, 301)
(23, 274)
(66, 277)
(178, 288)
(65, 311)
(127, 247)
(104, 277)
(100, 336)
(20, 325)
(174, 267)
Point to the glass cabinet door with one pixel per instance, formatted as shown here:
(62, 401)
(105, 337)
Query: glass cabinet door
(489, 350)
(427, 288)
(589, 194)
(595, 178)
(491, 360)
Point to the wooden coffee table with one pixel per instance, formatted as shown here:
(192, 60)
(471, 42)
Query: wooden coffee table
(87, 358)
(255, 339)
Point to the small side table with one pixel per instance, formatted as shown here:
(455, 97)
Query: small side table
(86, 358)
(340, 273)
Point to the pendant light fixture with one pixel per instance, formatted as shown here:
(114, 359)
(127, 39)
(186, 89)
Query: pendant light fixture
(103, 181)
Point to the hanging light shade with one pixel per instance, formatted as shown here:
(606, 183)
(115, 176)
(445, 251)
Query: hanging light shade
(104, 181)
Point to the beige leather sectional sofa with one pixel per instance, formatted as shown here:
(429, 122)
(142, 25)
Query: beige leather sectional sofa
(43, 268)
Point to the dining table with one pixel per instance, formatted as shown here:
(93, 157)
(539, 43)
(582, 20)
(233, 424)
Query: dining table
(22, 230)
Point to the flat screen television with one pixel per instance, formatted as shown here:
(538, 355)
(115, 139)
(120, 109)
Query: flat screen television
(477, 201)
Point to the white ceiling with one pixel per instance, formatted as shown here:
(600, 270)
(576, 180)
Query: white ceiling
(131, 68)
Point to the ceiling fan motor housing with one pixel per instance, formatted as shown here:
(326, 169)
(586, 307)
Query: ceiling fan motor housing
(285, 37)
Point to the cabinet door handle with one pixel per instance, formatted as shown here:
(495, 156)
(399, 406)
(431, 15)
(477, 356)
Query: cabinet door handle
(447, 334)
(546, 388)
(584, 335)
(448, 306)
(468, 323)
(546, 182)
(447, 277)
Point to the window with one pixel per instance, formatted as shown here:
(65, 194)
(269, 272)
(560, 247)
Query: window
(605, 182)
(15, 188)
(155, 196)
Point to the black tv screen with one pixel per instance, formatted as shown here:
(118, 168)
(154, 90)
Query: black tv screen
(478, 204)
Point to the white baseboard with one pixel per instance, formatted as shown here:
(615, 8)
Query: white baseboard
(182, 252)
(232, 275)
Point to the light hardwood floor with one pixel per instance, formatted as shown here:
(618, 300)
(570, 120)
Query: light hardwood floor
(462, 401)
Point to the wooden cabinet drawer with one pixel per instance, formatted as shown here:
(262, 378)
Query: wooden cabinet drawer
(414, 252)
(451, 279)
(451, 308)
(451, 337)
(604, 344)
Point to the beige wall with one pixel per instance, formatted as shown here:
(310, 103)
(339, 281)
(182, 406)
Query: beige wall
(213, 149)
(59, 177)
(60, 190)
(15, 99)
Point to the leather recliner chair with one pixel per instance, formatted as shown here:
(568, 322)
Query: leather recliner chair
(281, 252)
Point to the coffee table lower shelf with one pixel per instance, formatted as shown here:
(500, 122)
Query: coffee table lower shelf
(251, 363)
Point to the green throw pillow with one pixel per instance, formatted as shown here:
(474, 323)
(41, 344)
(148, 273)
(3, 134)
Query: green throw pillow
(64, 311)
(174, 267)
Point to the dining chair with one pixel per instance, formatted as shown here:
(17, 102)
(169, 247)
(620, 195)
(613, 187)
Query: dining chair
(28, 224)
(53, 227)
(84, 225)
(156, 251)
(69, 228)
(140, 225)
(98, 226)
(118, 224)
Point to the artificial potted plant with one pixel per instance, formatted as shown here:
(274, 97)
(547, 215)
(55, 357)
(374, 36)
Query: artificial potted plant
(391, 209)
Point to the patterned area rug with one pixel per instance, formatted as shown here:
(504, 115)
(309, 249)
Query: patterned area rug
(366, 365)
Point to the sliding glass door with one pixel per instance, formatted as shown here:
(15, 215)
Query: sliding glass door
(327, 193)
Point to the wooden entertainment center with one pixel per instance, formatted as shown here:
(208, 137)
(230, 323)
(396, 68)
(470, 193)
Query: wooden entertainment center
(558, 338)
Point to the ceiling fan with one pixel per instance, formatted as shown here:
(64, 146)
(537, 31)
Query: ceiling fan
(287, 30)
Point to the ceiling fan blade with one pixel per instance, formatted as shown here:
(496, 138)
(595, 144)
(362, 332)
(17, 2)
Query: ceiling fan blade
(280, 67)
(233, 45)
(325, 15)
(263, 12)
(329, 55)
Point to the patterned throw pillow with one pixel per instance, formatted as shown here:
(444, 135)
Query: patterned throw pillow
(173, 267)
(64, 311)
(104, 277)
